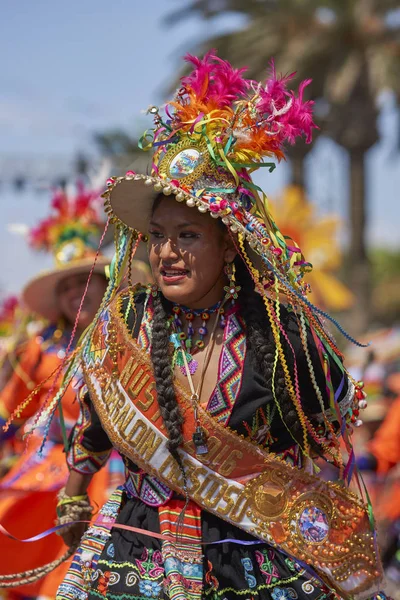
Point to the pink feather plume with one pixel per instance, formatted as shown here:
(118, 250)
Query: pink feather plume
(215, 79)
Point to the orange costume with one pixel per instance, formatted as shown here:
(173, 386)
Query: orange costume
(385, 447)
(28, 493)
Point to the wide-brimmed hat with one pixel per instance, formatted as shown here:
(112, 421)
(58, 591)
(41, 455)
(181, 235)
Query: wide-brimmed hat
(71, 233)
(219, 128)
(40, 294)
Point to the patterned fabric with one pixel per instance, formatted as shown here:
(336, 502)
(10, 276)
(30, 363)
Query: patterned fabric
(98, 342)
(260, 429)
(183, 560)
(230, 373)
(83, 566)
(131, 566)
(149, 489)
(144, 336)
(79, 458)
(123, 565)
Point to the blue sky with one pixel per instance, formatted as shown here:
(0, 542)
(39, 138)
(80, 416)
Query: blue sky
(71, 68)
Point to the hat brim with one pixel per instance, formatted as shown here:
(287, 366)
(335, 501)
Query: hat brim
(39, 295)
(131, 200)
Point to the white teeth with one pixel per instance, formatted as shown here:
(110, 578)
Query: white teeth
(173, 273)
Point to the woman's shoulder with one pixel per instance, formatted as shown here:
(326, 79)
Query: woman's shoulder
(130, 304)
(137, 296)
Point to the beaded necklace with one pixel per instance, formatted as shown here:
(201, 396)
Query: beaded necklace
(185, 343)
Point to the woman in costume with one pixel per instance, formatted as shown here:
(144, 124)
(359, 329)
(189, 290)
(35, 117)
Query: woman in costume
(383, 458)
(218, 385)
(72, 232)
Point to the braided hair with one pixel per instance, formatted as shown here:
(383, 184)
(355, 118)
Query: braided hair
(262, 353)
(163, 374)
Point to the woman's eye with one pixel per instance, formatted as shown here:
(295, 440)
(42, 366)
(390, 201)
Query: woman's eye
(188, 235)
(156, 234)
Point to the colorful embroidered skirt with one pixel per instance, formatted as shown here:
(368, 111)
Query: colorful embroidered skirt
(125, 565)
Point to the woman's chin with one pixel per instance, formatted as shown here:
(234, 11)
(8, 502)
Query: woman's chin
(177, 294)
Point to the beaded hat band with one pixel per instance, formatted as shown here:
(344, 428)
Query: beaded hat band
(215, 133)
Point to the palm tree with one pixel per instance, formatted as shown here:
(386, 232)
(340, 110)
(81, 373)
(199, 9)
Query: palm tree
(351, 49)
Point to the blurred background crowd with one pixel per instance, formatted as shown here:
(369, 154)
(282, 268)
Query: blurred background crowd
(76, 81)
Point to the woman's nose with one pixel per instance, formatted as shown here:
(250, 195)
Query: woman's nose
(168, 249)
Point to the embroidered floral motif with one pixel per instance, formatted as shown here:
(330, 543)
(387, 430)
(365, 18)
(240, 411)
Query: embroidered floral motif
(279, 593)
(150, 589)
(264, 559)
(307, 587)
(210, 579)
(248, 569)
(151, 564)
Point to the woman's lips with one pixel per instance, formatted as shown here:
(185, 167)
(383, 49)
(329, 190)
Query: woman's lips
(173, 275)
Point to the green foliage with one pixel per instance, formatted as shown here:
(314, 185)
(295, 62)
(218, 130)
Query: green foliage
(386, 285)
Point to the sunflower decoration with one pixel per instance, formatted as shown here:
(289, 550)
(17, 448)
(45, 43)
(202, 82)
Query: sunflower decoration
(317, 237)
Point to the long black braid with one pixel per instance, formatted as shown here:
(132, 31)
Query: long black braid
(164, 377)
(260, 344)
(262, 350)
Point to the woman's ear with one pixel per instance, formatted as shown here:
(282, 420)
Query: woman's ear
(230, 250)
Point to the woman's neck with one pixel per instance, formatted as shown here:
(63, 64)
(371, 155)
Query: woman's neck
(209, 299)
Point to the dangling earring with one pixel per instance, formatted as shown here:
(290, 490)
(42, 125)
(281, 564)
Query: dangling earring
(232, 290)
(153, 289)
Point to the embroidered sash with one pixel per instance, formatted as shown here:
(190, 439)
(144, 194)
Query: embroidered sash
(317, 522)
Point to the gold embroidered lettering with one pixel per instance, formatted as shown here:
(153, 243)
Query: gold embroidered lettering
(239, 509)
(139, 428)
(148, 445)
(137, 383)
(229, 465)
(148, 395)
(214, 494)
(117, 402)
(229, 501)
(166, 466)
(220, 457)
(197, 476)
(123, 419)
(128, 370)
(112, 401)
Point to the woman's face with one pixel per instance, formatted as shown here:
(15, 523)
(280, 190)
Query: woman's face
(70, 291)
(188, 251)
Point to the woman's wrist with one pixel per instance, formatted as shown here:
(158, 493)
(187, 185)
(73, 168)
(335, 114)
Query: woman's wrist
(77, 484)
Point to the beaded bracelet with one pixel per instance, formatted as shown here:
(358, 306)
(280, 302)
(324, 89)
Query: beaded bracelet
(71, 499)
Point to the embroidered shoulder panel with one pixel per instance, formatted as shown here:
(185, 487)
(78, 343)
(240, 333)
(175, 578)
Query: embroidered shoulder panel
(230, 373)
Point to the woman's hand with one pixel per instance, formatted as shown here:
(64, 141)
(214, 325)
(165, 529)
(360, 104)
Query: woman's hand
(74, 505)
(72, 534)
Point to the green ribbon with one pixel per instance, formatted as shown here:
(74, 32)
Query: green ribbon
(271, 166)
(63, 428)
(146, 140)
(220, 190)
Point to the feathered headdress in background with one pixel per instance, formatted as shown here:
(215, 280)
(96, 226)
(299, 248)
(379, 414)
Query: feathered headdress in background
(71, 233)
(73, 228)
